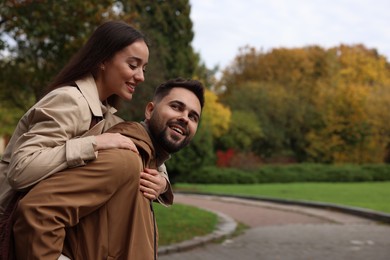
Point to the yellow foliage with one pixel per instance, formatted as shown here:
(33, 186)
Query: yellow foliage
(361, 65)
(351, 120)
(215, 114)
(326, 105)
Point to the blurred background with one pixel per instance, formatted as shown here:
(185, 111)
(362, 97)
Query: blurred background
(288, 82)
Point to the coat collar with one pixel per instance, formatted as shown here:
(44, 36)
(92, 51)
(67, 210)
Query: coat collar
(88, 88)
(139, 133)
(141, 139)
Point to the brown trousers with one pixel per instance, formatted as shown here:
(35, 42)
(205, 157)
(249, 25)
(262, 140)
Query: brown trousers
(90, 212)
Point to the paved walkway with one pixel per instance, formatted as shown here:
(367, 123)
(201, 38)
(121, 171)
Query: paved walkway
(288, 232)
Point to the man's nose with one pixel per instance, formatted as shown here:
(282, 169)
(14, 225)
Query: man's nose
(184, 117)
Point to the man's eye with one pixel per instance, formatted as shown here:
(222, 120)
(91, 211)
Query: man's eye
(193, 118)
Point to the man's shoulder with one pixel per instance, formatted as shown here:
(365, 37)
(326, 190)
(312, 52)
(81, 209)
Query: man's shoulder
(137, 132)
(133, 130)
(127, 128)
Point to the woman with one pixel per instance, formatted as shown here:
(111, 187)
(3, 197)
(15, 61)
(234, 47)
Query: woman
(66, 127)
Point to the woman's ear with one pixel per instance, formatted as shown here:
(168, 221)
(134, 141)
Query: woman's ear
(149, 110)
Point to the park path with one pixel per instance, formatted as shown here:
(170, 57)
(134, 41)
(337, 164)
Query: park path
(288, 232)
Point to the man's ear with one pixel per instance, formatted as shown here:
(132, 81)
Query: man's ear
(149, 110)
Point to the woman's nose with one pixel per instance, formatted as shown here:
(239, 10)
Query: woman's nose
(140, 75)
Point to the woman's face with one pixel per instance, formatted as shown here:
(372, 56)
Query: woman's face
(123, 72)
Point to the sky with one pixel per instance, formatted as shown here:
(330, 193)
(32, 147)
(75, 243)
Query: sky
(221, 27)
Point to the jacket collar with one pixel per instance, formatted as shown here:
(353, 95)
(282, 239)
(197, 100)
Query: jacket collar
(141, 139)
(139, 133)
(88, 88)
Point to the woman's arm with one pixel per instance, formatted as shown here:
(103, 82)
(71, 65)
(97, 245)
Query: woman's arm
(48, 142)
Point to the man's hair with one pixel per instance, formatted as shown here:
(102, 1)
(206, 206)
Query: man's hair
(194, 86)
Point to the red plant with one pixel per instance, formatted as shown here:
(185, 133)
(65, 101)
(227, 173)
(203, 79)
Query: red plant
(224, 158)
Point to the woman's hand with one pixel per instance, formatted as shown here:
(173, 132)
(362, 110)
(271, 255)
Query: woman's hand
(152, 184)
(114, 140)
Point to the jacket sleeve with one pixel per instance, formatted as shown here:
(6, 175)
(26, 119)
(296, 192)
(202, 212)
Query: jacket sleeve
(51, 142)
(165, 198)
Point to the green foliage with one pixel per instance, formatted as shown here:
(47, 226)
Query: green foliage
(218, 175)
(243, 130)
(41, 37)
(8, 117)
(290, 173)
(44, 35)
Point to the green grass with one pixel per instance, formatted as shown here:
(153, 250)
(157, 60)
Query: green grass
(180, 222)
(370, 195)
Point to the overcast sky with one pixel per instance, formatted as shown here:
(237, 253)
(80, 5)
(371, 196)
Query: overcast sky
(222, 26)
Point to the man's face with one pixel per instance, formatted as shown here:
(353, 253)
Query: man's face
(174, 120)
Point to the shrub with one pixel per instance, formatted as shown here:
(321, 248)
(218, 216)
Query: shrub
(219, 175)
(290, 173)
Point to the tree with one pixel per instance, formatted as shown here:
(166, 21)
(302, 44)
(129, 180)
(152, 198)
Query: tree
(38, 38)
(216, 115)
(244, 129)
(168, 27)
(355, 127)
(317, 104)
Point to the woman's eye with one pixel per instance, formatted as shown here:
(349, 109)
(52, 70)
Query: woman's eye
(132, 66)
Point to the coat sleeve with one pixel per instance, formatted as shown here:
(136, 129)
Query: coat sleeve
(51, 142)
(165, 198)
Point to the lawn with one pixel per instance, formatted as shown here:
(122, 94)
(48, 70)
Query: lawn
(180, 222)
(370, 195)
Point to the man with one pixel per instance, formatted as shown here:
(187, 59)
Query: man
(105, 216)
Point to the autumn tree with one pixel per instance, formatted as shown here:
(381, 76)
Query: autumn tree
(354, 126)
(314, 103)
(215, 115)
(279, 87)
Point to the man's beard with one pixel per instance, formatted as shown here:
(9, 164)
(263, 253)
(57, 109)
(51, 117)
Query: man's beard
(169, 144)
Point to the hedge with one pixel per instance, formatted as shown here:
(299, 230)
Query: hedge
(290, 173)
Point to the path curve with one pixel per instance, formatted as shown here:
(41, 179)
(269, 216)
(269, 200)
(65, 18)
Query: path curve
(288, 232)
